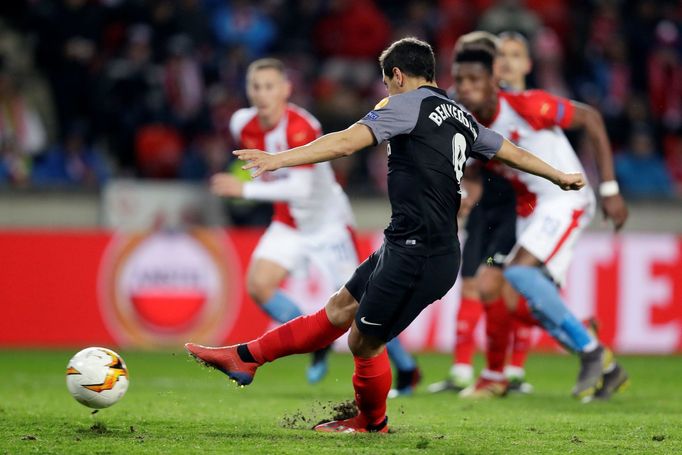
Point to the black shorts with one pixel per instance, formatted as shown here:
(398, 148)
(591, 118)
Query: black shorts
(491, 234)
(394, 287)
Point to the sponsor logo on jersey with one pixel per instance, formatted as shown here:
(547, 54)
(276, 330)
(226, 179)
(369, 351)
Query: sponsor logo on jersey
(371, 115)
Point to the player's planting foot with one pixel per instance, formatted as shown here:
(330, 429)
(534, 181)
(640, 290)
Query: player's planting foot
(225, 359)
(592, 365)
(318, 367)
(486, 388)
(352, 425)
(406, 383)
(614, 381)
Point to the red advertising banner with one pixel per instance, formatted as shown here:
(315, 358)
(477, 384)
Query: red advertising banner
(158, 289)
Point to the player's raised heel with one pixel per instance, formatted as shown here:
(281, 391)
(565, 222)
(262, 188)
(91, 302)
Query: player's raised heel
(225, 359)
(352, 425)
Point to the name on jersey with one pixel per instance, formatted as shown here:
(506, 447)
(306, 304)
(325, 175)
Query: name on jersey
(446, 111)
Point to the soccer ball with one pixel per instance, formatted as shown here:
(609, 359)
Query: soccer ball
(97, 377)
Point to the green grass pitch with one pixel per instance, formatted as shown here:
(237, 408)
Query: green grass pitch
(175, 406)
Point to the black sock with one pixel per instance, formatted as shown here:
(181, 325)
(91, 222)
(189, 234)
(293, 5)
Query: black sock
(245, 354)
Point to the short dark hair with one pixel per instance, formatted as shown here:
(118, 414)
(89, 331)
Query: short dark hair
(412, 56)
(266, 63)
(479, 55)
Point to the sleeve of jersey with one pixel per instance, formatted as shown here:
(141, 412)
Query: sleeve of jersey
(391, 117)
(487, 143)
(544, 110)
(297, 185)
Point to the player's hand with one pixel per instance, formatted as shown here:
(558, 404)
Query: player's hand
(226, 185)
(568, 182)
(614, 208)
(258, 160)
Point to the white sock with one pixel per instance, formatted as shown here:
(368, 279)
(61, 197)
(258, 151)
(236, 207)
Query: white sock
(591, 346)
(511, 371)
(492, 375)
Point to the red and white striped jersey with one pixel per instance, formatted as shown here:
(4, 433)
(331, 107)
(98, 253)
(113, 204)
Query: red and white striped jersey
(305, 197)
(534, 119)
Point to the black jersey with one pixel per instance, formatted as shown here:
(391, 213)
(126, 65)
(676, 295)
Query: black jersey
(430, 138)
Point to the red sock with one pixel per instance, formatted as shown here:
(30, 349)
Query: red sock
(497, 328)
(372, 381)
(298, 336)
(523, 313)
(468, 315)
(521, 341)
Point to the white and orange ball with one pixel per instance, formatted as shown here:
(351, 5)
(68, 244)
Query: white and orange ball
(97, 377)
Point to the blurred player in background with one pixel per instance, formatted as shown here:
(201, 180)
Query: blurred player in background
(491, 233)
(312, 220)
(549, 222)
(430, 139)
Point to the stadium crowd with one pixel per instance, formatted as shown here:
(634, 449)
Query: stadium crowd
(91, 89)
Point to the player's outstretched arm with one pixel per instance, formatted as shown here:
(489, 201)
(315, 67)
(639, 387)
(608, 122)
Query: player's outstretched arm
(521, 159)
(325, 148)
(591, 120)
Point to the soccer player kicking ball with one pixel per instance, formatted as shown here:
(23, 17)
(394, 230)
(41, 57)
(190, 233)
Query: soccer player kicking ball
(548, 229)
(430, 138)
(312, 217)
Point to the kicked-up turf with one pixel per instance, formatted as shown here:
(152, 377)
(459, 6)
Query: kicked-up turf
(175, 406)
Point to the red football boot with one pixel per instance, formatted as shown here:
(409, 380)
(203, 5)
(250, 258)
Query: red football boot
(225, 359)
(352, 425)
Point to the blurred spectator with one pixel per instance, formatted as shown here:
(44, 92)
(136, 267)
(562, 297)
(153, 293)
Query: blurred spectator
(640, 169)
(207, 156)
(510, 16)
(673, 160)
(74, 162)
(158, 149)
(20, 124)
(15, 166)
(241, 23)
(548, 64)
(131, 94)
(68, 37)
(183, 83)
(665, 76)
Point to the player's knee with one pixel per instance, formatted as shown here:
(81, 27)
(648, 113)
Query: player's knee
(489, 284)
(341, 308)
(260, 288)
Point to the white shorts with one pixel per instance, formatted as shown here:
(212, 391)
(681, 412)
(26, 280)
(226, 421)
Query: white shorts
(331, 249)
(551, 231)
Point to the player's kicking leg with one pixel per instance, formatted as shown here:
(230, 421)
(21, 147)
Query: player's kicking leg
(303, 334)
